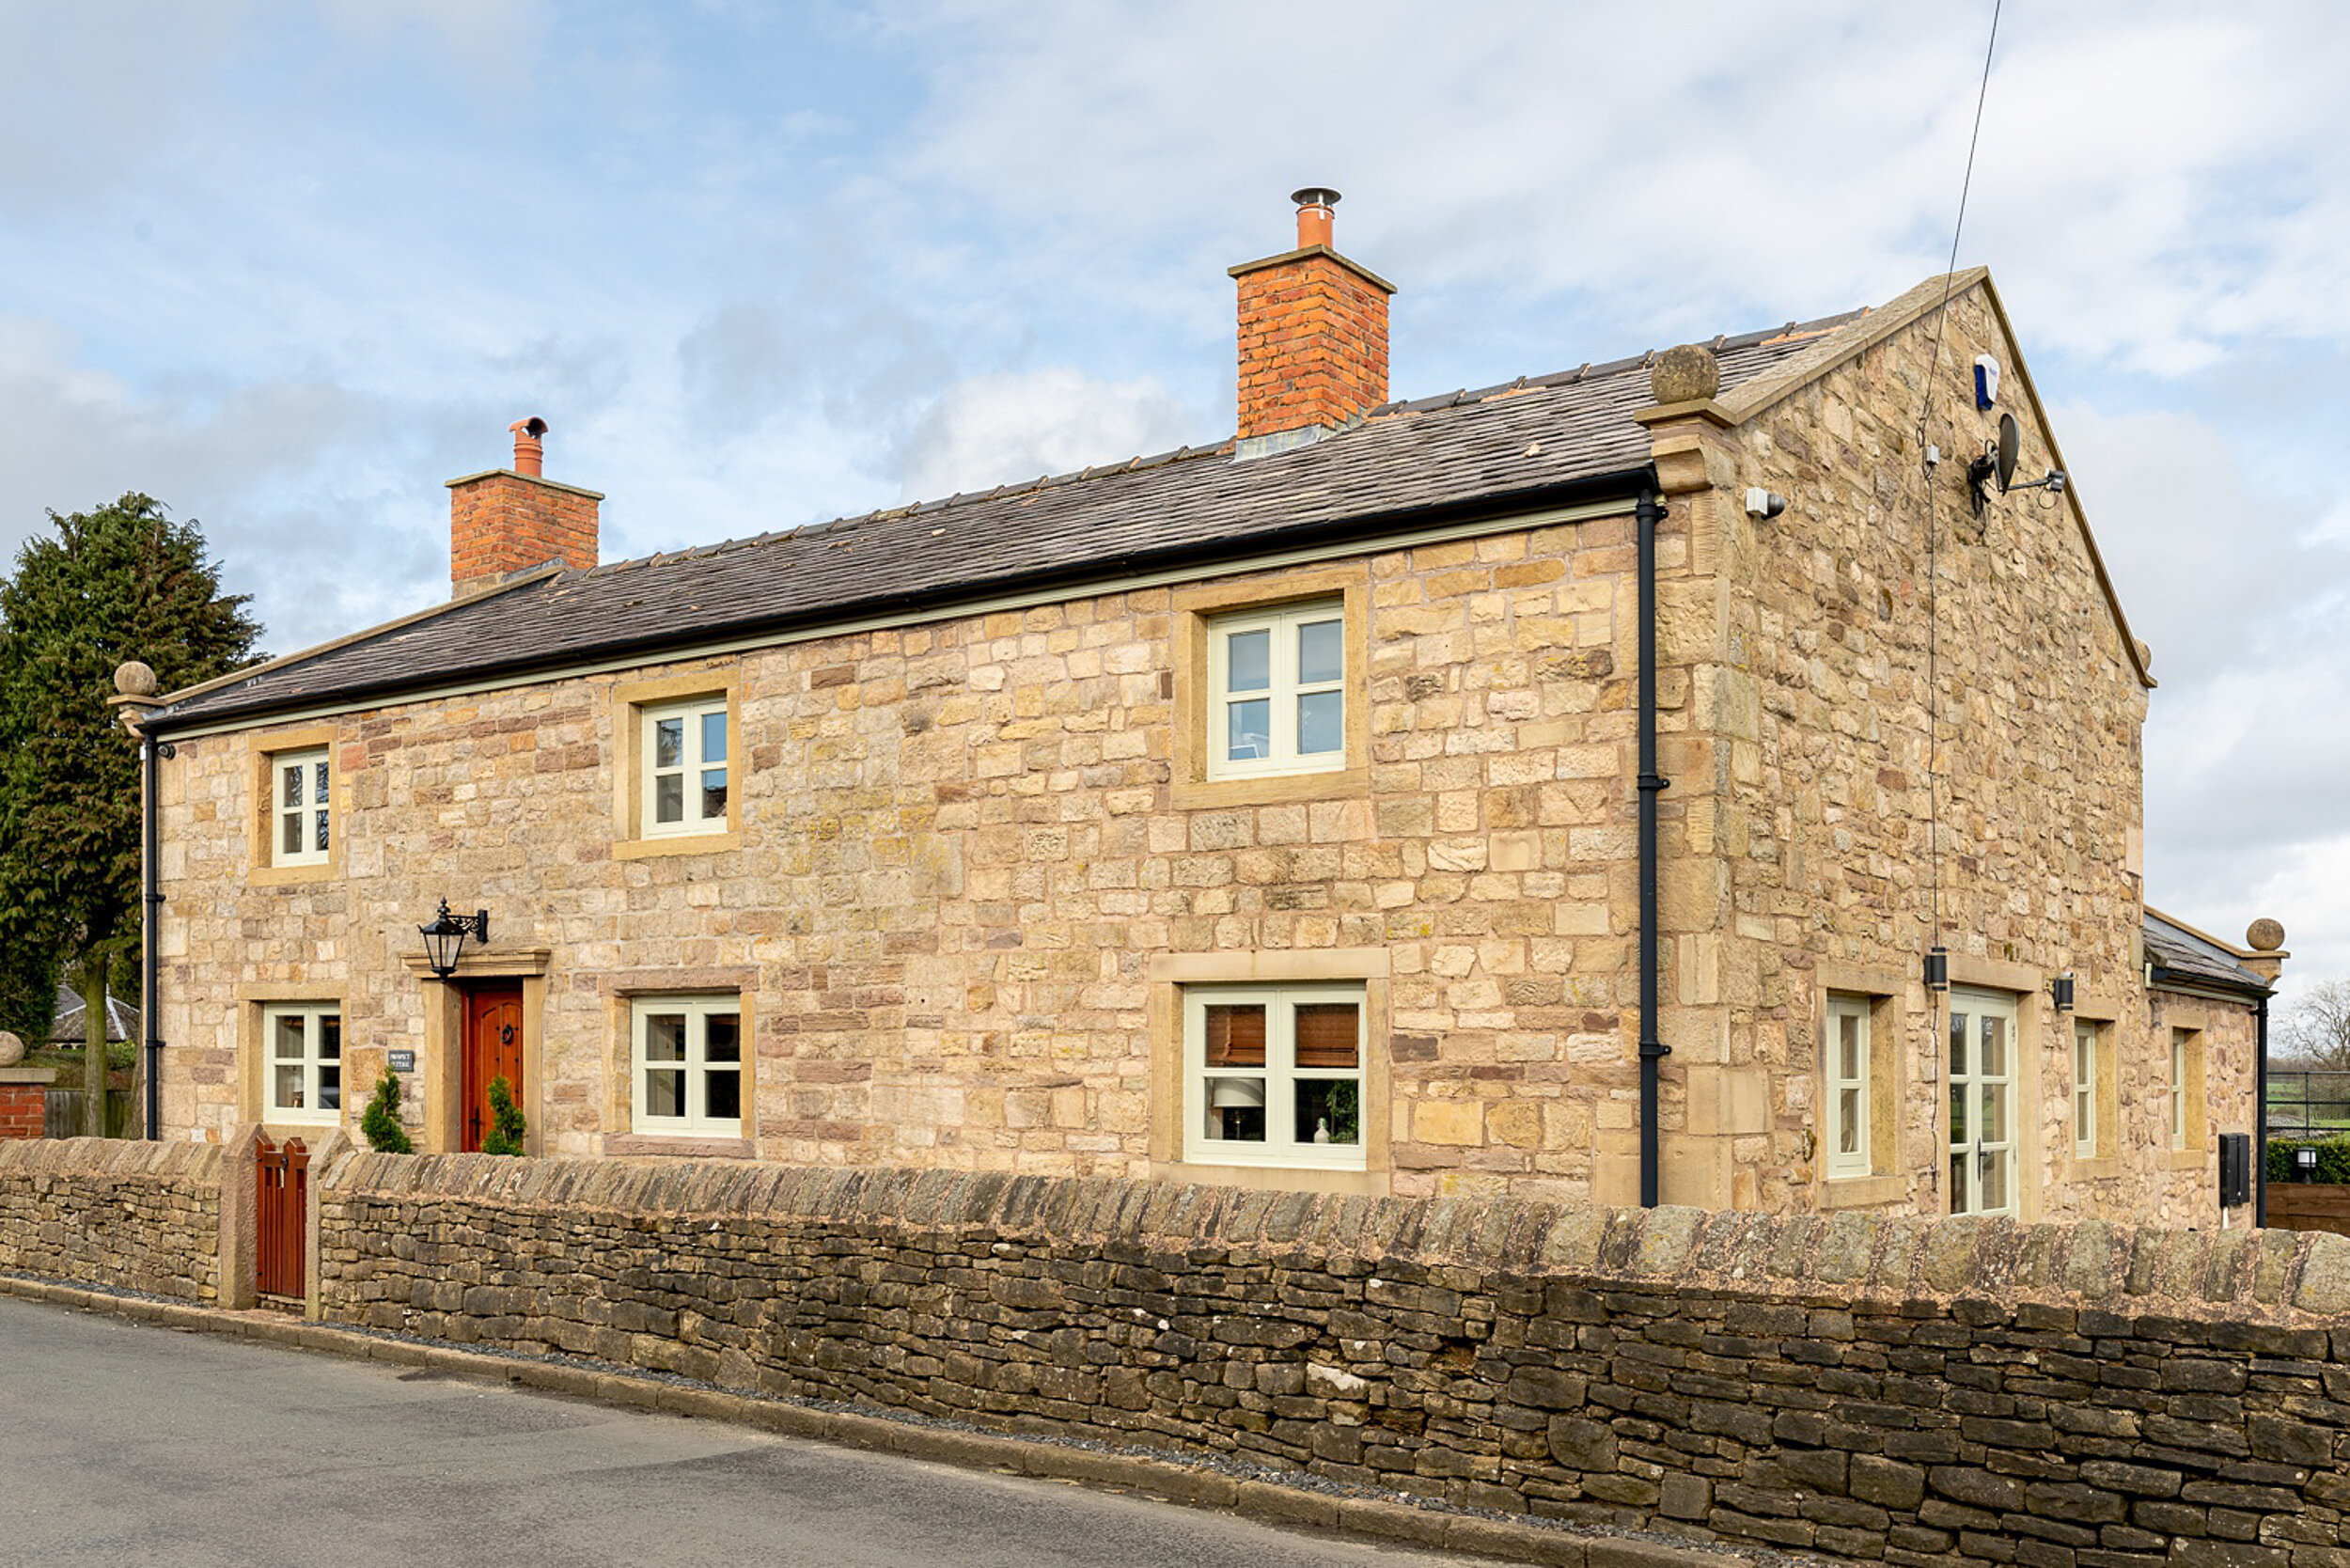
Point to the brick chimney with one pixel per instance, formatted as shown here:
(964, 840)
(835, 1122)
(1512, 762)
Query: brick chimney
(1314, 332)
(509, 519)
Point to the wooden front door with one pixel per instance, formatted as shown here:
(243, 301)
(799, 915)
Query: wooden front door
(492, 1049)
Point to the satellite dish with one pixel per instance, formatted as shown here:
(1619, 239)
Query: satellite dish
(2011, 442)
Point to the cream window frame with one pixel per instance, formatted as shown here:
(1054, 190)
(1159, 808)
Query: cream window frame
(2190, 1118)
(318, 1022)
(695, 1066)
(1970, 1089)
(314, 767)
(1280, 1078)
(1283, 626)
(2087, 1089)
(693, 716)
(1854, 1154)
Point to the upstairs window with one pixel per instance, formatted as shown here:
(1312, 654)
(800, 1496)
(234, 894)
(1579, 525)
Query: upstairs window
(299, 827)
(683, 767)
(1277, 691)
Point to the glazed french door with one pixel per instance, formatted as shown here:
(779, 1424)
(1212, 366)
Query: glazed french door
(1982, 1103)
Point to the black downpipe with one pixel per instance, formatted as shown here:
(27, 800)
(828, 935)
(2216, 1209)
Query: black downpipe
(151, 908)
(1645, 517)
(2260, 1122)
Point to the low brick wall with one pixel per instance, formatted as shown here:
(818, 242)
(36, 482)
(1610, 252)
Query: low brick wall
(1918, 1392)
(23, 1102)
(116, 1214)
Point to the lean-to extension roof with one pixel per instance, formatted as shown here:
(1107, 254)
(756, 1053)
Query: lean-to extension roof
(1538, 441)
(2183, 956)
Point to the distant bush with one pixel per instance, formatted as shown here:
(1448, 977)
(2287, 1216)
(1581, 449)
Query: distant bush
(2333, 1158)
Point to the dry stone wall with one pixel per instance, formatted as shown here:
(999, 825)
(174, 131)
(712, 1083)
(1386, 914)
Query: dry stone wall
(115, 1213)
(1919, 1392)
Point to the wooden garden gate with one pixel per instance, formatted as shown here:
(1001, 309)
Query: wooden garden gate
(283, 1171)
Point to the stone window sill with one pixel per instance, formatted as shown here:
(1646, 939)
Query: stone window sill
(664, 1146)
(1863, 1192)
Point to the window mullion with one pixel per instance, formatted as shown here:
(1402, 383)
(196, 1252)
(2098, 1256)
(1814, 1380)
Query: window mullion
(1283, 689)
(697, 1067)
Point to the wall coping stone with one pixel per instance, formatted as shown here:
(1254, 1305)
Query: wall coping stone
(111, 1157)
(2276, 1277)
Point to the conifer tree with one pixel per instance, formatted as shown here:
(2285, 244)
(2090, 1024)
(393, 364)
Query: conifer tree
(99, 587)
(381, 1122)
(507, 1124)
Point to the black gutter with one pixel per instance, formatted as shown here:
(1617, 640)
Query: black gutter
(151, 908)
(2260, 1123)
(1366, 529)
(1646, 515)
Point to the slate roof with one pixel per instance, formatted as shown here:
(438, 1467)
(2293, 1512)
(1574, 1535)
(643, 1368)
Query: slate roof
(65, 1026)
(1532, 442)
(2180, 954)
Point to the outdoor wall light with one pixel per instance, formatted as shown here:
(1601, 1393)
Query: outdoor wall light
(2060, 992)
(445, 938)
(1937, 968)
(2305, 1164)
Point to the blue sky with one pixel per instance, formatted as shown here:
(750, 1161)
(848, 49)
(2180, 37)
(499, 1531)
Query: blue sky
(290, 267)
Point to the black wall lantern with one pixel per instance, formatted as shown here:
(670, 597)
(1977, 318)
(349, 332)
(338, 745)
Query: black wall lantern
(2060, 992)
(445, 938)
(1937, 967)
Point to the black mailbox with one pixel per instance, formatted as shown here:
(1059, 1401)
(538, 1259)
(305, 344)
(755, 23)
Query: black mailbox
(2236, 1169)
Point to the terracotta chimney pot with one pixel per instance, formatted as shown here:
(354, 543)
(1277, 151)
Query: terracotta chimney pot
(531, 453)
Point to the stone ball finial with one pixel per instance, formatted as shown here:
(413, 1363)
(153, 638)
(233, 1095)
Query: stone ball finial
(1688, 374)
(134, 679)
(2264, 935)
(11, 1048)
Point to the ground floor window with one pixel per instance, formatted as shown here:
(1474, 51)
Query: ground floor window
(1983, 1103)
(686, 1067)
(301, 1075)
(2085, 1089)
(1274, 1074)
(1849, 1087)
(2187, 1089)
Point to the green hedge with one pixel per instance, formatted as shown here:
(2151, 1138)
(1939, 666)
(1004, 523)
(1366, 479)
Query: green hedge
(2333, 1158)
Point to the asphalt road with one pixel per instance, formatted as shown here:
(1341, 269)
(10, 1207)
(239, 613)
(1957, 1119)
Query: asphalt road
(126, 1443)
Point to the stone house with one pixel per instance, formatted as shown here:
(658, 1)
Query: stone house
(1270, 811)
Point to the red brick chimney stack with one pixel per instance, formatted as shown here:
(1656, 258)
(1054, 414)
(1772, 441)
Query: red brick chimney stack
(509, 519)
(1313, 332)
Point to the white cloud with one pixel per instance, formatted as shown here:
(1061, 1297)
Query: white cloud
(999, 428)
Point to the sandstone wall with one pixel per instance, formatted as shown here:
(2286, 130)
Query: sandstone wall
(113, 1212)
(961, 850)
(1954, 1392)
(1829, 635)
